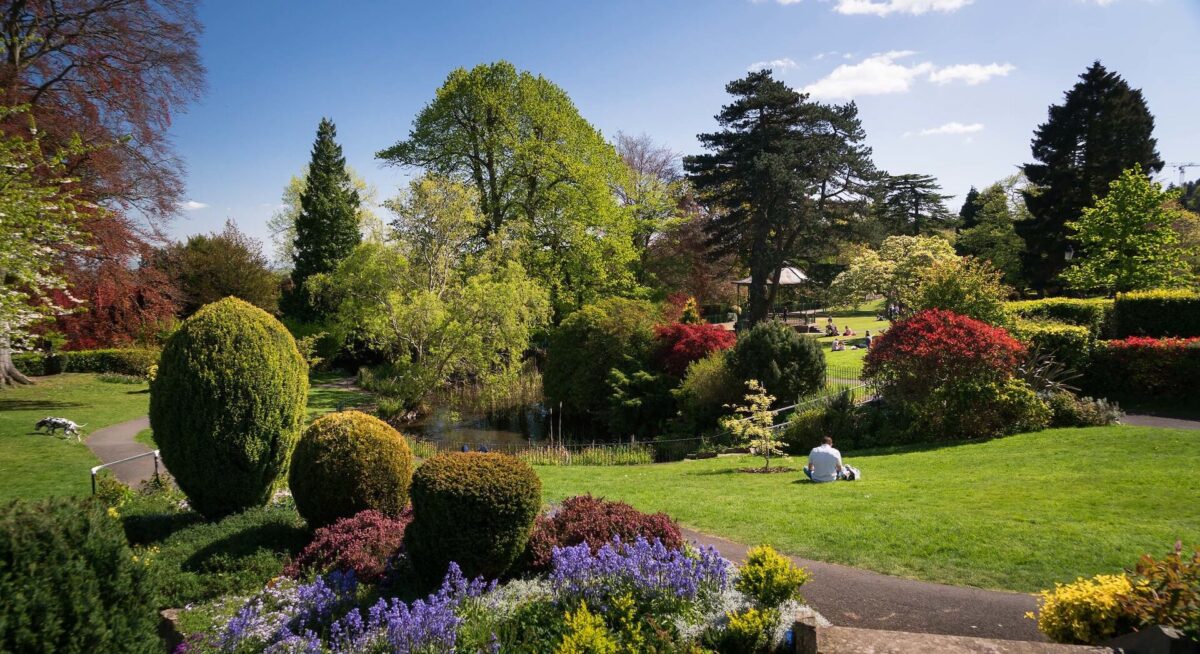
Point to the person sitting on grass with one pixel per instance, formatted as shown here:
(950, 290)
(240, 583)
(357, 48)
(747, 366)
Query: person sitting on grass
(838, 345)
(848, 331)
(824, 462)
(831, 329)
(870, 339)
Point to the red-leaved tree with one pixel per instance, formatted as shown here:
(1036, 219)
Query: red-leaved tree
(680, 344)
(937, 347)
(113, 73)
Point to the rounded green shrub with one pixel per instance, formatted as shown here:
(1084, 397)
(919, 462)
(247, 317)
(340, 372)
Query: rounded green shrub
(70, 583)
(787, 364)
(227, 405)
(473, 508)
(348, 462)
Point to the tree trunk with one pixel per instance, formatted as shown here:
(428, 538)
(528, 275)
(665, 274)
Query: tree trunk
(9, 375)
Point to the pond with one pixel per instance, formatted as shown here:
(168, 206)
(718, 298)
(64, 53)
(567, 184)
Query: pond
(517, 427)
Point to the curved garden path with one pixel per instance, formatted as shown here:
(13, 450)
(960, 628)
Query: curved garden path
(117, 442)
(850, 597)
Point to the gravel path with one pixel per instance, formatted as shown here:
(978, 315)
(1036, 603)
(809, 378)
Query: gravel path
(850, 597)
(117, 442)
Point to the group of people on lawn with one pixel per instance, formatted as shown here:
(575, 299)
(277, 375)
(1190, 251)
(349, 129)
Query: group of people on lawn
(840, 345)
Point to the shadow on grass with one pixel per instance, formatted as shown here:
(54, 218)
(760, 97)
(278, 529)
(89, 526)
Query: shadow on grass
(912, 448)
(253, 541)
(10, 404)
(148, 528)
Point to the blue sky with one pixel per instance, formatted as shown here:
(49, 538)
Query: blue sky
(952, 88)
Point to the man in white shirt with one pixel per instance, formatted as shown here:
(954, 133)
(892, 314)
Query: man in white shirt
(824, 462)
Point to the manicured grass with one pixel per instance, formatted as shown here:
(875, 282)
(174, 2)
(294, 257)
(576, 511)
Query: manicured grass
(35, 465)
(1018, 513)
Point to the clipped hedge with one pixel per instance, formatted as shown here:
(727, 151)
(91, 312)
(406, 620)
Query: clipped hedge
(1070, 345)
(1157, 314)
(122, 361)
(227, 405)
(473, 508)
(348, 462)
(1139, 368)
(69, 582)
(1094, 313)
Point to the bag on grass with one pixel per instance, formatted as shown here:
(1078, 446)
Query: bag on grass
(850, 473)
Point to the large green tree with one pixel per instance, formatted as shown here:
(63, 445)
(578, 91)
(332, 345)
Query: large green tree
(912, 204)
(209, 267)
(1129, 240)
(327, 225)
(543, 176)
(40, 214)
(1102, 128)
(970, 207)
(785, 177)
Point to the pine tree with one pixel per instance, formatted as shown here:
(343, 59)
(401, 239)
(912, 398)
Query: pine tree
(913, 205)
(967, 215)
(1102, 128)
(788, 175)
(327, 225)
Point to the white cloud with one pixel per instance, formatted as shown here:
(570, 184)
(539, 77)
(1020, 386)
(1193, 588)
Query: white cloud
(192, 205)
(954, 127)
(886, 7)
(785, 63)
(876, 75)
(972, 74)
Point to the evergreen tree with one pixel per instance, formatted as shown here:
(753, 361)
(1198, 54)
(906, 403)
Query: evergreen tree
(327, 225)
(913, 205)
(1102, 128)
(970, 209)
(992, 236)
(787, 176)
(1189, 195)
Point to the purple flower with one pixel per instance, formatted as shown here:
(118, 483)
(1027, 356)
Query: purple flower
(661, 580)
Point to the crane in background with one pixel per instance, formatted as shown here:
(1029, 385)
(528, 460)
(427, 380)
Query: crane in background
(1182, 168)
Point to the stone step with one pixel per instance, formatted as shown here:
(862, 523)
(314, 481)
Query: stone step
(849, 640)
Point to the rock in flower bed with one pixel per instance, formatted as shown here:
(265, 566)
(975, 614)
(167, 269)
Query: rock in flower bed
(626, 596)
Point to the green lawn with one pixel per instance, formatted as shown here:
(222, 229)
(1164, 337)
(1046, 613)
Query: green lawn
(1017, 513)
(35, 465)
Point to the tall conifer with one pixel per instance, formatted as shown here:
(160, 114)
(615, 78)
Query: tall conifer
(327, 226)
(1102, 128)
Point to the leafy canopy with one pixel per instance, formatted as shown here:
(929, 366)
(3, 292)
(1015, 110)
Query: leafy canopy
(541, 174)
(1128, 239)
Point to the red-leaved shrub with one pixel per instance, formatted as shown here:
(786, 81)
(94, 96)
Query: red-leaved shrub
(1143, 368)
(592, 520)
(936, 347)
(364, 543)
(680, 344)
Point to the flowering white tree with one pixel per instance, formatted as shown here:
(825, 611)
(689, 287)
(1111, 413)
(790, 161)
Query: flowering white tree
(39, 215)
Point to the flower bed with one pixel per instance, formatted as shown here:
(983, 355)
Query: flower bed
(625, 596)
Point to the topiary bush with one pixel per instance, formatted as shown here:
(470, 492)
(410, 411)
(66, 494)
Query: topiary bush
(472, 508)
(69, 582)
(595, 521)
(227, 405)
(364, 544)
(1157, 314)
(347, 462)
(787, 364)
